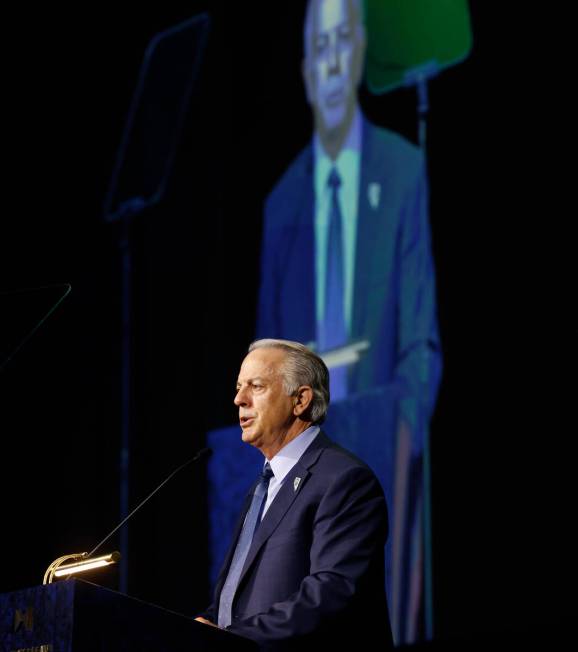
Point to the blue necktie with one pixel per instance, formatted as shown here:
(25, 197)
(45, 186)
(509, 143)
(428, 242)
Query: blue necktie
(332, 330)
(251, 523)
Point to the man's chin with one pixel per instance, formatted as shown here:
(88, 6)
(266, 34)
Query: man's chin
(247, 435)
(334, 118)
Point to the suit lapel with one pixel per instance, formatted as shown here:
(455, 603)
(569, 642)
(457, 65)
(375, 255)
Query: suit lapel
(285, 498)
(302, 258)
(366, 225)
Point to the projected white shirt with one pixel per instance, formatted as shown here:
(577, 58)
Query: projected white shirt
(348, 167)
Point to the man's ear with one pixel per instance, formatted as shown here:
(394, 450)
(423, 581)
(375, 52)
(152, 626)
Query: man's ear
(302, 400)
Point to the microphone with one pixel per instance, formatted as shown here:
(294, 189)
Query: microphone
(82, 561)
(203, 453)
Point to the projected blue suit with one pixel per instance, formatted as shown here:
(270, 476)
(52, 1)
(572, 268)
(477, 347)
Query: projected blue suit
(394, 282)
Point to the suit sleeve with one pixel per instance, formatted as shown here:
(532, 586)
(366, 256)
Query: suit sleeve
(418, 366)
(349, 533)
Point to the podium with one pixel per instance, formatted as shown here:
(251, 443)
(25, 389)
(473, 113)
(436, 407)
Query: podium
(78, 616)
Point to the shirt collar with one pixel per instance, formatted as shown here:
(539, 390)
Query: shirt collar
(290, 454)
(348, 155)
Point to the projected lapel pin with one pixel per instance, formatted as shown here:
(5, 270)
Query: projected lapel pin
(296, 484)
(374, 194)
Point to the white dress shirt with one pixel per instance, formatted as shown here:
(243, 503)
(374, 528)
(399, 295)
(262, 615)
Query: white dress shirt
(285, 460)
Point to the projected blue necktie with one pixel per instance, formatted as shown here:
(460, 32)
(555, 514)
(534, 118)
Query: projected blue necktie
(333, 331)
(251, 523)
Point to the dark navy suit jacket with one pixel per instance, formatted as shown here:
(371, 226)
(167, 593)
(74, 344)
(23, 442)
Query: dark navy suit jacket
(394, 302)
(315, 571)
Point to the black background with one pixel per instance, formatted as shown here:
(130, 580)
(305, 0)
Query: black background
(500, 212)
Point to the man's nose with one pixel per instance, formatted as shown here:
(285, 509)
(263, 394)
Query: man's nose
(334, 60)
(240, 397)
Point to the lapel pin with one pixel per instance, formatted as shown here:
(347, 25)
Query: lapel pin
(374, 194)
(296, 483)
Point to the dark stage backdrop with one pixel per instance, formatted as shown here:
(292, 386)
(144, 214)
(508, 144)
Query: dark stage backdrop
(497, 132)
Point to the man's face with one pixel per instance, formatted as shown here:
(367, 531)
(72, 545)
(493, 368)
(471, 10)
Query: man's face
(265, 410)
(332, 69)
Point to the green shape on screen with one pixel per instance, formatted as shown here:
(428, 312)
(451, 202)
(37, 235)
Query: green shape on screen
(405, 36)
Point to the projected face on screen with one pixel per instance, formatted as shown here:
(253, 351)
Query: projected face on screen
(334, 46)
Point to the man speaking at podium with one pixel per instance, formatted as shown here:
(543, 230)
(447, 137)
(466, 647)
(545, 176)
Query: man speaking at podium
(306, 564)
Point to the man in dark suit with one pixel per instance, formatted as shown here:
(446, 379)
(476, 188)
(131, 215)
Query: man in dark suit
(311, 569)
(367, 185)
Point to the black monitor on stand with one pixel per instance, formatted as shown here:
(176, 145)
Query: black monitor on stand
(140, 176)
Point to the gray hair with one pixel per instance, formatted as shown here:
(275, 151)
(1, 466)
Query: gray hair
(302, 367)
(357, 19)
